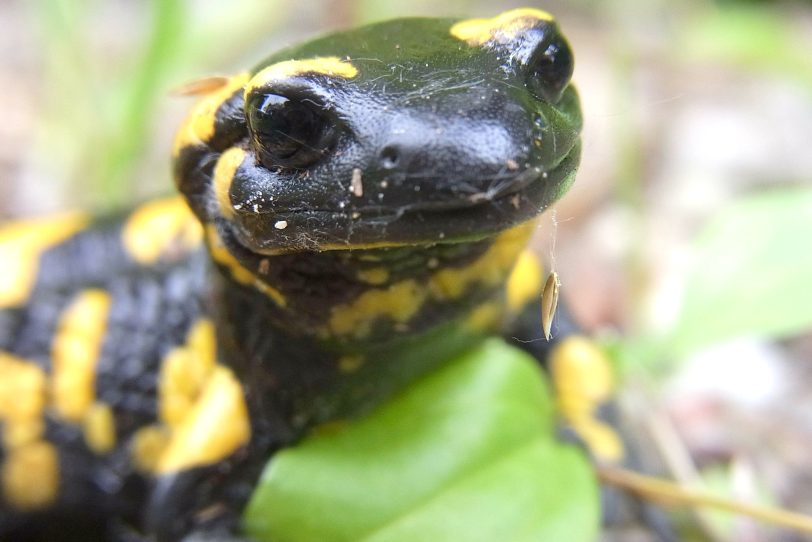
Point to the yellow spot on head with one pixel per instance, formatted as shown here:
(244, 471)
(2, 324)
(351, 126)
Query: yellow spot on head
(502, 28)
(524, 282)
(30, 476)
(583, 378)
(21, 246)
(99, 429)
(161, 228)
(224, 172)
(326, 65)
(213, 429)
(198, 128)
(75, 353)
(147, 446)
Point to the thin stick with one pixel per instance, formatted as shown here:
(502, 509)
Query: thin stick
(668, 493)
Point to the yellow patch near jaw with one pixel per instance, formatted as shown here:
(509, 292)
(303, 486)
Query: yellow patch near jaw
(224, 172)
(221, 255)
(326, 65)
(401, 301)
(524, 282)
(198, 128)
(398, 302)
(502, 28)
(489, 269)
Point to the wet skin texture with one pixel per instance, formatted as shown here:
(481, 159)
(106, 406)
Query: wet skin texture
(359, 204)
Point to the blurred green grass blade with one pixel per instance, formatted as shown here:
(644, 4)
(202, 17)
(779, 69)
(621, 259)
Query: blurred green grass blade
(466, 453)
(752, 273)
(139, 95)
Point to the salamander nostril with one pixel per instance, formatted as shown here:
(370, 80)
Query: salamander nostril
(390, 156)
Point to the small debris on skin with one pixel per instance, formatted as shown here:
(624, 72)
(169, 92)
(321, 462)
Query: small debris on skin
(356, 186)
(264, 266)
(281, 224)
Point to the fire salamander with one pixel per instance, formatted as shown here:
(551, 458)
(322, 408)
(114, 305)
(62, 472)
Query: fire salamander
(354, 212)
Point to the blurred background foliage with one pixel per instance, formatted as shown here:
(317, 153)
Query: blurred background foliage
(685, 242)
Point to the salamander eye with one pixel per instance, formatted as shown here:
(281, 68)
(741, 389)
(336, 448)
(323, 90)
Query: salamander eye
(551, 69)
(288, 132)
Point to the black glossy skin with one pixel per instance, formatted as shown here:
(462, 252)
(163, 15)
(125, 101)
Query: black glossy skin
(455, 143)
(463, 138)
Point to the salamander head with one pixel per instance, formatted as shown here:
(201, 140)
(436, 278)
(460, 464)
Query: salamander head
(402, 136)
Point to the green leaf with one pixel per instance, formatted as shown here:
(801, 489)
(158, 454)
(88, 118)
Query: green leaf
(753, 272)
(466, 453)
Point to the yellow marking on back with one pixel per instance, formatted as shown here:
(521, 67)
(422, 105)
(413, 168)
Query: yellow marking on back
(160, 228)
(198, 128)
(326, 65)
(502, 28)
(21, 246)
(583, 379)
(215, 428)
(99, 429)
(22, 400)
(75, 353)
(524, 282)
(184, 373)
(221, 255)
(224, 172)
(147, 446)
(398, 302)
(30, 476)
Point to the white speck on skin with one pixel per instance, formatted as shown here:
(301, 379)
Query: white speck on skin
(281, 224)
(356, 184)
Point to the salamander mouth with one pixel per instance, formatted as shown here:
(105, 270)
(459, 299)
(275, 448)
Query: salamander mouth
(509, 200)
